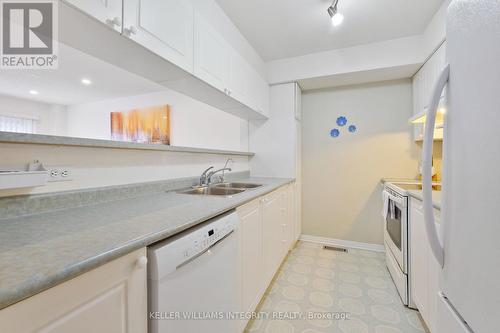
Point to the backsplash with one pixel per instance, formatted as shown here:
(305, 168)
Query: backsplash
(22, 205)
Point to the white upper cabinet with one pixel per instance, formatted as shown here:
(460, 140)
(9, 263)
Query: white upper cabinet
(423, 83)
(259, 93)
(212, 55)
(165, 27)
(221, 66)
(175, 31)
(239, 84)
(107, 11)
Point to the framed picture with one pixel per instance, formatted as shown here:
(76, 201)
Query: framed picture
(143, 125)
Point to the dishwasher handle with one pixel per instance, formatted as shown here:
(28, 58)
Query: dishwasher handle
(204, 251)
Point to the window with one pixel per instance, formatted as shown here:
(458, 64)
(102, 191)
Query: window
(17, 124)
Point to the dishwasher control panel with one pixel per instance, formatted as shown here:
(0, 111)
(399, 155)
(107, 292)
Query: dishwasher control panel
(189, 245)
(207, 237)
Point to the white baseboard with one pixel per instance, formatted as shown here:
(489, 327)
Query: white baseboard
(343, 243)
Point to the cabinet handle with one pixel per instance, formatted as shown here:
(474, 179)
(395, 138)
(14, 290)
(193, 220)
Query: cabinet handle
(142, 262)
(115, 21)
(130, 31)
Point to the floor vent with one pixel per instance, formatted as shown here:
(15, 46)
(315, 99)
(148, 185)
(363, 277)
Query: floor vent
(334, 248)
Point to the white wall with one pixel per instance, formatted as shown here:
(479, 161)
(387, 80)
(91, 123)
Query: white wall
(395, 57)
(341, 176)
(274, 141)
(193, 124)
(50, 118)
(360, 58)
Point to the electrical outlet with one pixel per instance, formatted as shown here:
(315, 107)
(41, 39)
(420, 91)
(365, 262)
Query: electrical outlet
(60, 174)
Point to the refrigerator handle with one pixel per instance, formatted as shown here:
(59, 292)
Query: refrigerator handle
(430, 122)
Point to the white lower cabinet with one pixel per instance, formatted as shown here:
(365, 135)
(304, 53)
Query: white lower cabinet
(267, 227)
(111, 298)
(251, 256)
(425, 270)
(272, 234)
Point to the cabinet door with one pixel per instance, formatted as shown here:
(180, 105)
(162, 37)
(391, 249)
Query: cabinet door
(107, 11)
(417, 104)
(263, 96)
(298, 210)
(286, 226)
(239, 84)
(418, 257)
(165, 27)
(425, 270)
(271, 234)
(434, 271)
(111, 298)
(258, 93)
(291, 215)
(252, 274)
(212, 55)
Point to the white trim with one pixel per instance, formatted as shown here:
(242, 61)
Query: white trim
(343, 243)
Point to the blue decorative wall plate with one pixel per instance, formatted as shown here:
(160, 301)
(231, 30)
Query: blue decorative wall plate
(352, 128)
(334, 133)
(341, 121)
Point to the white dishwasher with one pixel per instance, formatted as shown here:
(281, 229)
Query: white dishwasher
(194, 280)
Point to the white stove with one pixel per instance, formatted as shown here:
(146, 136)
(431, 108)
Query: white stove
(396, 234)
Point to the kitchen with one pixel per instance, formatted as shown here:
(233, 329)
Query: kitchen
(173, 166)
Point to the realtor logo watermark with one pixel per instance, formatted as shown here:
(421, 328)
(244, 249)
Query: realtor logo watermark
(29, 34)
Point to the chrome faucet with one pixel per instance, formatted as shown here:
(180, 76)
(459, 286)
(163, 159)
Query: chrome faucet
(210, 174)
(203, 177)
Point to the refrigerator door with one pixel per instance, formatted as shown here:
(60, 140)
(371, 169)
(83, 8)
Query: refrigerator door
(471, 175)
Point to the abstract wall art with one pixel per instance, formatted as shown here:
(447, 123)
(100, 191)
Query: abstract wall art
(142, 125)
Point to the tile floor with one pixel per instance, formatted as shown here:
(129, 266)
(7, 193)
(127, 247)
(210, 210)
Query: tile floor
(357, 284)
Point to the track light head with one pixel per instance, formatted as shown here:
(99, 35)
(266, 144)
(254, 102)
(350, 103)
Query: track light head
(336, 17)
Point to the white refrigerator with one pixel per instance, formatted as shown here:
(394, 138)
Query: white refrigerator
(468, 246)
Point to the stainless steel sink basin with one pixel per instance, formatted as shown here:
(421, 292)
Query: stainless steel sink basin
(212, 190)
(237, 185)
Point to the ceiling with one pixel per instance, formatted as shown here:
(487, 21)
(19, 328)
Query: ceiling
(287, 28)
(63, 86)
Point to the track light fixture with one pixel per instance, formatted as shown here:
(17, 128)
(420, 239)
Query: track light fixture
(336, 17)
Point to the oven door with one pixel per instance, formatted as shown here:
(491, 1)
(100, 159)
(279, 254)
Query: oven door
(395, 229)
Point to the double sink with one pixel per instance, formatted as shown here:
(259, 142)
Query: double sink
(221, 189)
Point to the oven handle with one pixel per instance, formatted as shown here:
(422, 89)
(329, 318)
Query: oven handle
(430, 225)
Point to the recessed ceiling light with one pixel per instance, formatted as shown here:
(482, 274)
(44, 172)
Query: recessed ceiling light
(86, 82)
(33, 92)
(336, 17)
